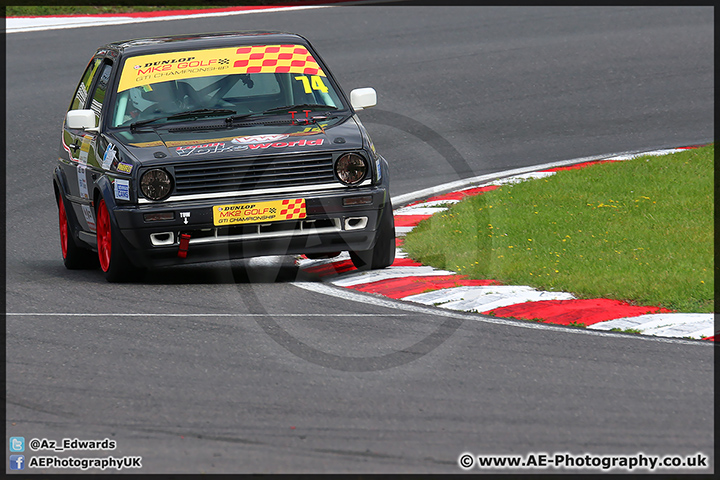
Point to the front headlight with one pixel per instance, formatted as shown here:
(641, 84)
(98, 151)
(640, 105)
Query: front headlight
(351, 168)
(156, 184)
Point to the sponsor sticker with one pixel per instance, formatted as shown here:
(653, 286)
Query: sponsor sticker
(85, 149)
(145, 70)
(275, 144)
(258, 139)
(259, 212)
(89, 217)
(108, 157)
(220, 142)
(125, 167)
(122, 189)
(82, 181)
(204, 149)
(254, 142)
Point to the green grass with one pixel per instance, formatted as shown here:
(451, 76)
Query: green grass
(627, 330)
(131, 7)
(640, 231)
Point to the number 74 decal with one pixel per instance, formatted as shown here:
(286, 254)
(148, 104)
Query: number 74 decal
(315, 82)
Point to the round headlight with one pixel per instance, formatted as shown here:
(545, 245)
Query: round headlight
(156, 184)
(351, 169)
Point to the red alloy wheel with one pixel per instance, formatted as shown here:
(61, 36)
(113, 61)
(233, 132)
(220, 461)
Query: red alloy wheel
(104, 236)
(63, 228)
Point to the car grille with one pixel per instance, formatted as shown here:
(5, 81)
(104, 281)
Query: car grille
(239, 175)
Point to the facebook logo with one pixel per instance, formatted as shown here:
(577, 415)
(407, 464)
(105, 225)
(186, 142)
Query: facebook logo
(17, 462)
(17, 444)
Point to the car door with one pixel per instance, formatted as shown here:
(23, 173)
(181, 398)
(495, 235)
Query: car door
(81, 147)
(94, 145)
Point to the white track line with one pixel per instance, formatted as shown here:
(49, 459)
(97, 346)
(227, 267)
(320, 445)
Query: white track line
(235, 315)
(34, 24)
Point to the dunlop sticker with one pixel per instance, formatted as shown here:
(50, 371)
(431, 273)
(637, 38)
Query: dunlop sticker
(259, 212)
(144, 70)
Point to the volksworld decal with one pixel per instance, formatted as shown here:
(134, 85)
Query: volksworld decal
(246, 143)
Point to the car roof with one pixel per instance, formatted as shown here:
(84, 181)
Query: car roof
(172, 43)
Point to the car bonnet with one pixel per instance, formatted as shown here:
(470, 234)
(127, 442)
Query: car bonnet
(159, 145)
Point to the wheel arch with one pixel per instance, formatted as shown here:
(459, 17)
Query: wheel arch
(59, 183)
(104, 191)
(60, 189)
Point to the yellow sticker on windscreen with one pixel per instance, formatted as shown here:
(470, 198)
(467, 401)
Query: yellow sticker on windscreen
(144, 70)
(259, 212)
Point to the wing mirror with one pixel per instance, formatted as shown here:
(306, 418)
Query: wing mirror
(81, 119)
(361, 98)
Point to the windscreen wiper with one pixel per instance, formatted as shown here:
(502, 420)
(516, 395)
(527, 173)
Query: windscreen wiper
(288, 108)
(243, 116)
(292, 109)
(199, 113)
(306, 106)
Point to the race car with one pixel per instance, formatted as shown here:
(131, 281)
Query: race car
(195, 148)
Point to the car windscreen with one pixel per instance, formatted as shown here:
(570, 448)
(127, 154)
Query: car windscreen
(244, 80)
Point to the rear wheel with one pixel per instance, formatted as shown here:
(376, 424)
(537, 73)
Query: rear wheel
(74, 257)
(383, 253)
(114, 263)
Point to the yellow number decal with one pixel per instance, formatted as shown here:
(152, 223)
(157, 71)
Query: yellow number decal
(317, 84)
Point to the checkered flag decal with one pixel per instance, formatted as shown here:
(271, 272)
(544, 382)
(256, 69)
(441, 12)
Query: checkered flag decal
(293, 209)
(277, 59)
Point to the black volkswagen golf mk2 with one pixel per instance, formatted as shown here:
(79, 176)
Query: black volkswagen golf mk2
(197, 148)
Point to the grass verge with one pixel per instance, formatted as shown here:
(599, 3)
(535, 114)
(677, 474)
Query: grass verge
(641, 231)
(131, 7)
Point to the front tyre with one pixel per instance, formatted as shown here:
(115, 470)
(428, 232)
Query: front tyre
(74, 257)
(114, 263)
(383, 253)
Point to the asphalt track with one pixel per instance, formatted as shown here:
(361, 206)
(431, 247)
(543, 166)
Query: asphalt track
(230, 367)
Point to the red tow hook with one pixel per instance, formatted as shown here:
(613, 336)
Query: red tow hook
(184, 244)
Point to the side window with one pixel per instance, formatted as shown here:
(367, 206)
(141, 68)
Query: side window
(98, 97)
(82, 90)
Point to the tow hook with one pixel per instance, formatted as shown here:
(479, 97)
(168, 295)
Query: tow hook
(184, 244)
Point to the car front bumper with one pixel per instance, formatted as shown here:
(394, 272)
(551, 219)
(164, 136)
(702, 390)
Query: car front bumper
(191, 236)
